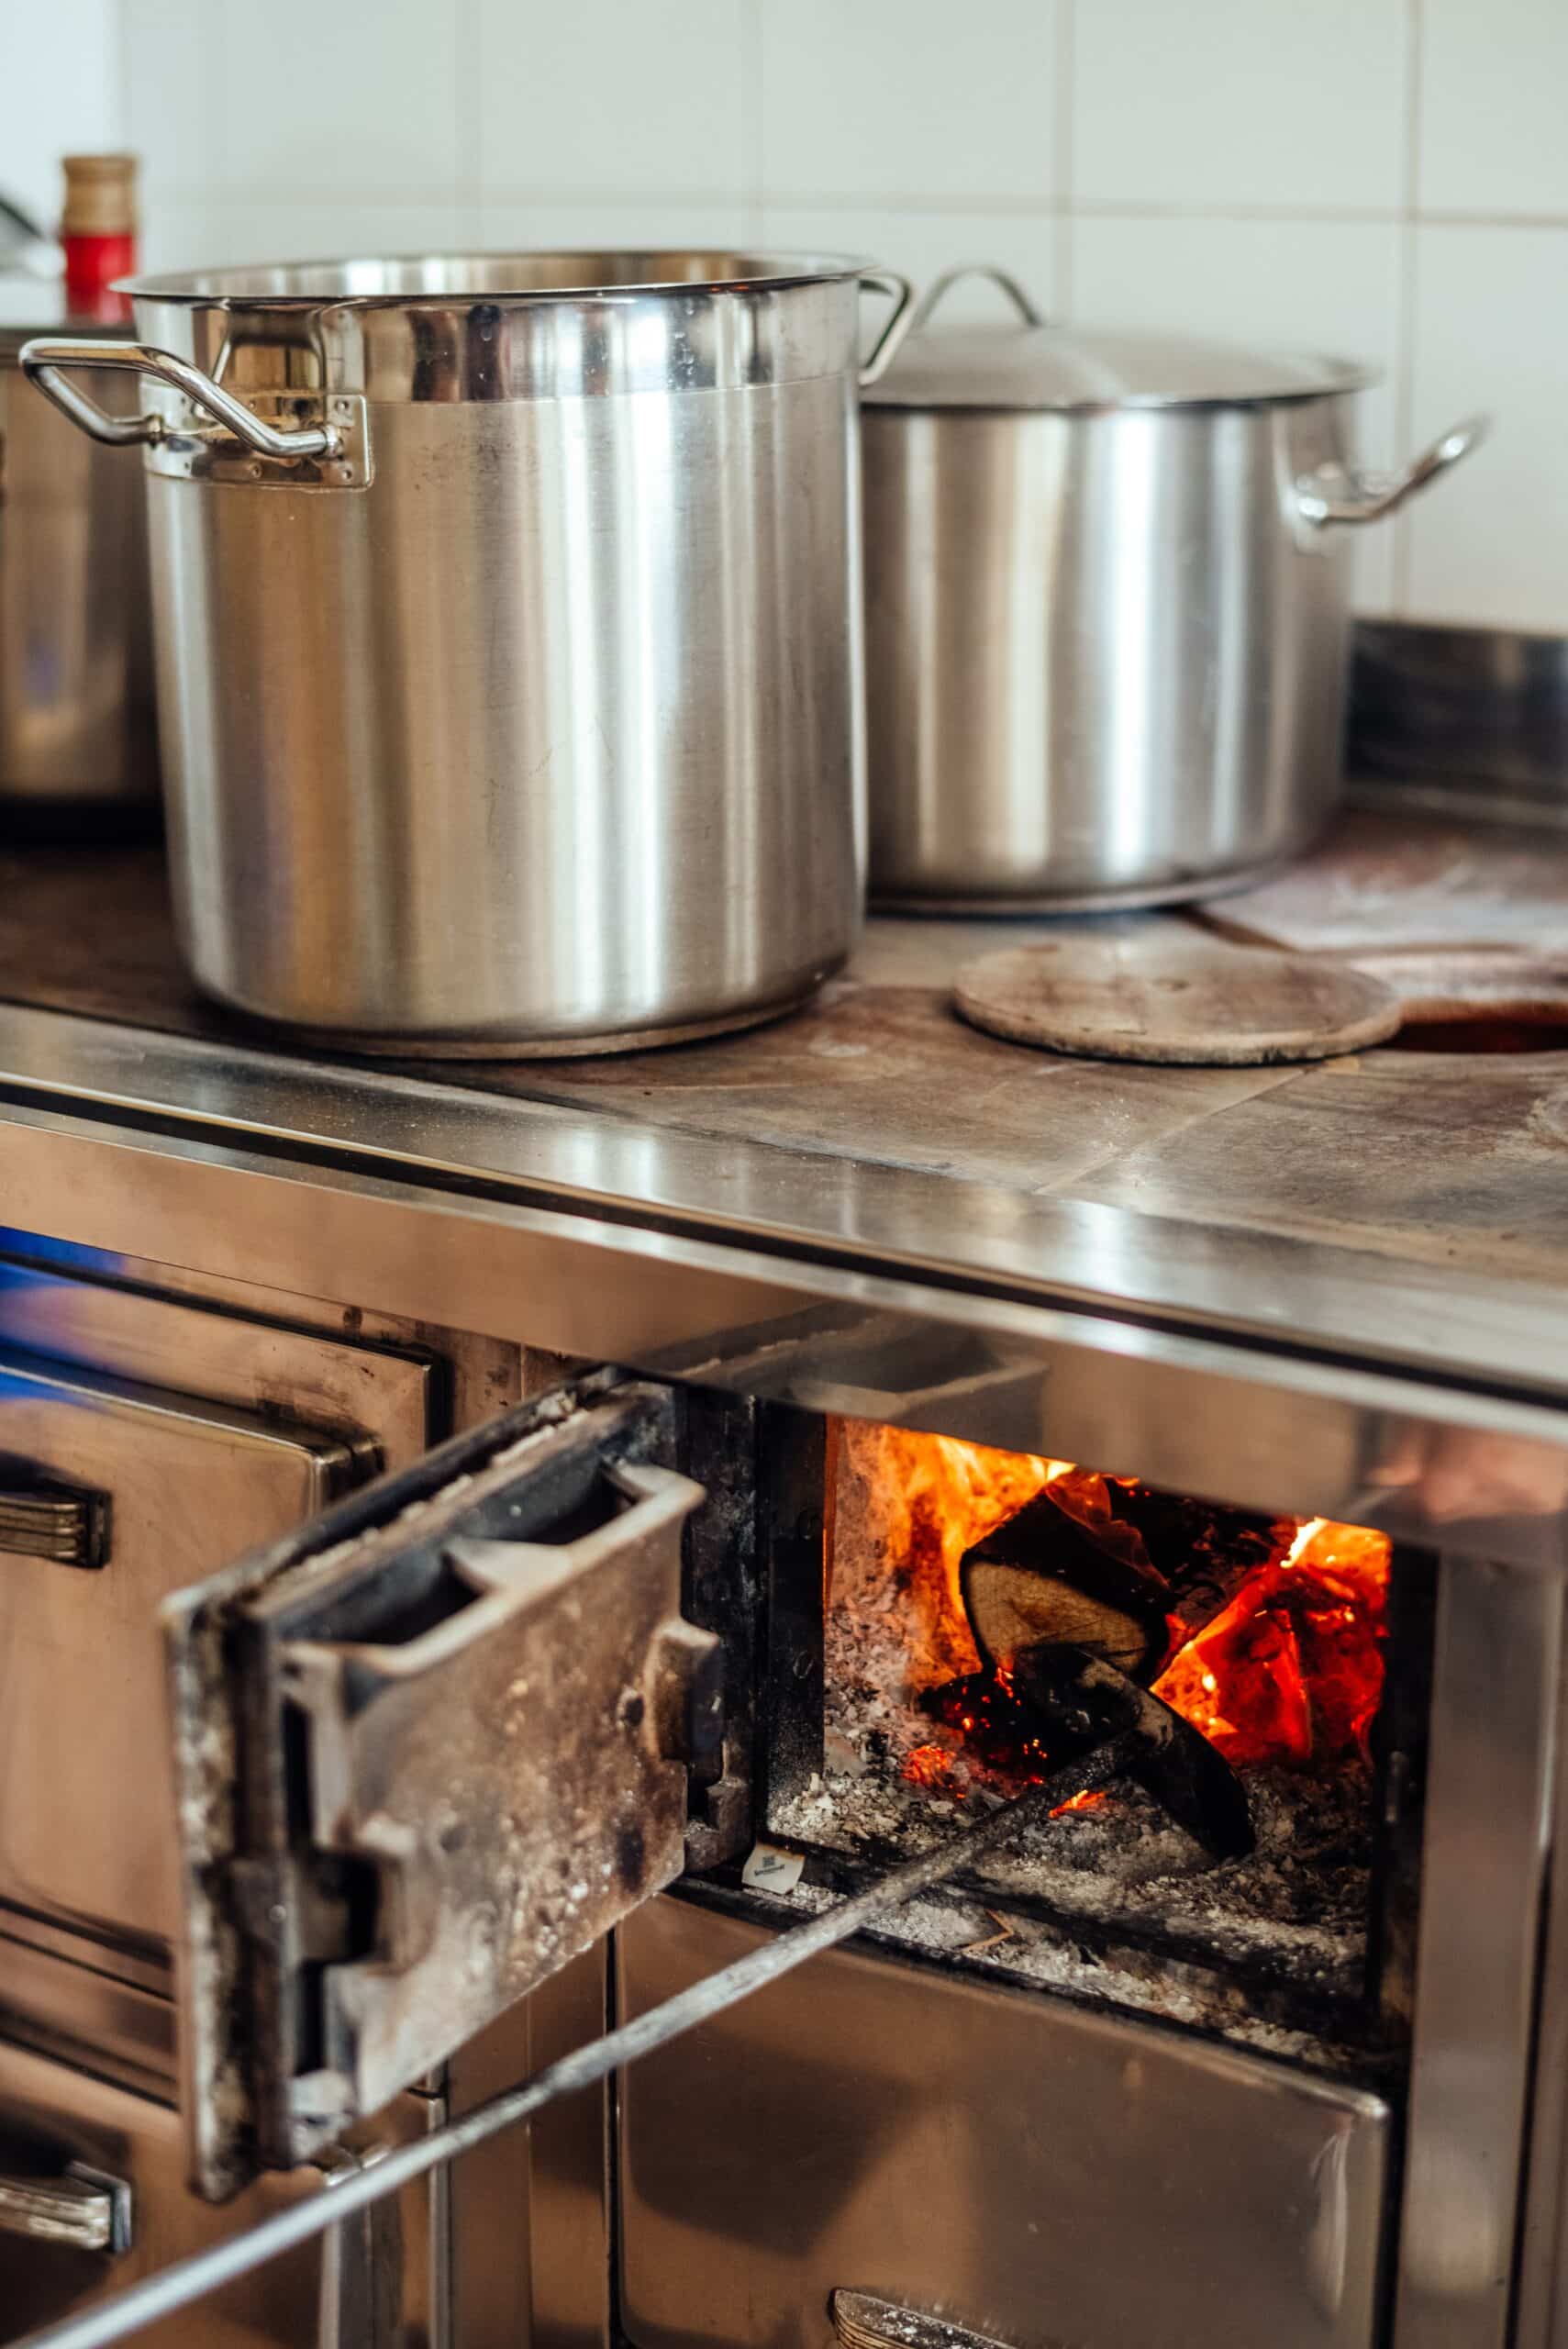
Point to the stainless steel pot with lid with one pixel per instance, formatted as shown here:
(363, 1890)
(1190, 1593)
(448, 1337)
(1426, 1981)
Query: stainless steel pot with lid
(78, 739)
(508, 636)
(1106, 609)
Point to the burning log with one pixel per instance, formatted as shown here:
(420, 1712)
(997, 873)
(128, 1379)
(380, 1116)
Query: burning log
(1060, 1570)
(1065, 1568)
(1208, 1554)
(1071, 1616)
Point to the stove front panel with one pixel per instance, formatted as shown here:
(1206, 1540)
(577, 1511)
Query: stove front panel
(1029, 2171)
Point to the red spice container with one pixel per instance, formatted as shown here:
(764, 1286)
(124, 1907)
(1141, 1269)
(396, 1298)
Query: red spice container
(98, 233)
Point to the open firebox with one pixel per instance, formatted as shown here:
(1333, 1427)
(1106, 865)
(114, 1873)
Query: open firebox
(955, 1623)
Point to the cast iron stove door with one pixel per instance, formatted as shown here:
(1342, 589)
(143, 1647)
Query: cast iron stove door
(428, 1749)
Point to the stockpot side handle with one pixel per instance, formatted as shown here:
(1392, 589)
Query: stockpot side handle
(938, 287)
(1336, 494)
(885, 347)
(44, 361)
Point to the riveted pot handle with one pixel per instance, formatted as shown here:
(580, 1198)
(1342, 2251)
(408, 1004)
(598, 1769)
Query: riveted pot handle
(902, 296)
(938, 287)
(1336, 494)
(44, 361)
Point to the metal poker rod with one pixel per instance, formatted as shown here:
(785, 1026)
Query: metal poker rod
(206, 2271)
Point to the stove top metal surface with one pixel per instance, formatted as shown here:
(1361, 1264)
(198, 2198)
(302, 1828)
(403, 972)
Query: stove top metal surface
(1395, 1204)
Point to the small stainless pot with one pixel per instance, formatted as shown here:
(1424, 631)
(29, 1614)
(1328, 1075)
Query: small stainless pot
(1106, 610)
(508, 636)
(78, 742)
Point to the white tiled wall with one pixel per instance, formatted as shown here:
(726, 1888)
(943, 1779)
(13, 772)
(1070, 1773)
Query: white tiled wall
(62, 87)
(1386, 178)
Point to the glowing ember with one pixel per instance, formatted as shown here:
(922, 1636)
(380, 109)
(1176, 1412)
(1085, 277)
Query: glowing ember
(1291, 1670)
(1096, 1800)
(983, 1710)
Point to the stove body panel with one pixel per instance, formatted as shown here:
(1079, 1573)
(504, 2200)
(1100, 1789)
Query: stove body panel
(1023, 2170)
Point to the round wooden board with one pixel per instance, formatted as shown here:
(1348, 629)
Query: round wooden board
(1164, 992)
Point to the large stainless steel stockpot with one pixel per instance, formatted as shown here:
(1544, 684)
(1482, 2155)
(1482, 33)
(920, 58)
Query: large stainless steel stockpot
(1107, 610)
(78, 743)
(508, 636)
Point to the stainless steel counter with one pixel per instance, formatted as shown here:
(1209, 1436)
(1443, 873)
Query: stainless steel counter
(1398, 1215)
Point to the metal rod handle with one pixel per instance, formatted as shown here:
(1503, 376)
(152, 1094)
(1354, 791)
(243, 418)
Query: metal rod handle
(45, 358)
(191, 2278)
(883, 349)
(1334, 494)
(1022, 301)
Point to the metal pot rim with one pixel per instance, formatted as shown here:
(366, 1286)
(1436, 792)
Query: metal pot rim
(1347, 376)
(414, 279)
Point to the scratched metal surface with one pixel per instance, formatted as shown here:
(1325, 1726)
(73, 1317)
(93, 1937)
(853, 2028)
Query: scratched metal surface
(1435, 1159)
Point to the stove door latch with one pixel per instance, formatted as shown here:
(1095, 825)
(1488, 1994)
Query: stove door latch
(861, 2320)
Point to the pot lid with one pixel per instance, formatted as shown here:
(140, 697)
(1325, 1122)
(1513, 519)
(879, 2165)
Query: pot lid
(1028, 364)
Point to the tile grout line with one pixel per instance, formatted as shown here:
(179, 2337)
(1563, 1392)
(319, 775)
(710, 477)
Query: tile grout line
(121, 74)
(756, 110)
(215, 79)
(467, 186)
(945, 206)
(1063, 239)
(1405, 318)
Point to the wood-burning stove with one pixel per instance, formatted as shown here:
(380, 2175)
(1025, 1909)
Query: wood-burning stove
(1093, 2094)
(1127, 2077)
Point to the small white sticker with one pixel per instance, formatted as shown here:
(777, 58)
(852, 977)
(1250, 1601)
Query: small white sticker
(769, 1869)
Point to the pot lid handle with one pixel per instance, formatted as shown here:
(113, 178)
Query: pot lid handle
(999, 276)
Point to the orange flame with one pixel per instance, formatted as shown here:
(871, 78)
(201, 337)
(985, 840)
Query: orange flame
(924, 1500)
(1290, 1671)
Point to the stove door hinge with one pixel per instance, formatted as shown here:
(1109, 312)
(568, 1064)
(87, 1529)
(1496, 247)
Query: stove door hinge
(719, 1826)
(302, 1907)
(688, 1679)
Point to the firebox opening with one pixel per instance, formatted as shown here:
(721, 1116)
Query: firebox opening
(955, 1580)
